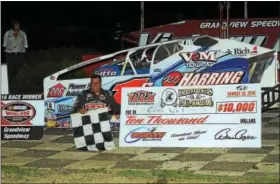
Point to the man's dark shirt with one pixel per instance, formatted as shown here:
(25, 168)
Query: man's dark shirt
(89, 100)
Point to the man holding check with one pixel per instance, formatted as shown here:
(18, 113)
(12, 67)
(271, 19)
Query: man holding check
(96, 97)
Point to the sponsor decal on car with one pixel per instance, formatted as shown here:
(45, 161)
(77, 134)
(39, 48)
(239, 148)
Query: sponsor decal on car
(56, 91)
(243, 51)
(199, 59)
(192, 79)
(107, 71)
(74, 89)
(60, 90)
(172, 79)
(215, 78)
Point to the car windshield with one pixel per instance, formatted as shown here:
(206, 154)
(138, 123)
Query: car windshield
(164, 51)
(141, 61)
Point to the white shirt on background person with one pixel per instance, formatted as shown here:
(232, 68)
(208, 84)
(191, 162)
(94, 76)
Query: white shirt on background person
(14, 44)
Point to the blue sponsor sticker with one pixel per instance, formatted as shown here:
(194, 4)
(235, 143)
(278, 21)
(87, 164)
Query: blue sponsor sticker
(106, 71)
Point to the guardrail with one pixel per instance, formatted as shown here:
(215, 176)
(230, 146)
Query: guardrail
(270, 97)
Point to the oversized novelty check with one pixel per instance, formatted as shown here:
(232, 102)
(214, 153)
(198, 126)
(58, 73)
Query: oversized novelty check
(192, 116)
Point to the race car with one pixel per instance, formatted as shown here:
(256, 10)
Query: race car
(198, 60)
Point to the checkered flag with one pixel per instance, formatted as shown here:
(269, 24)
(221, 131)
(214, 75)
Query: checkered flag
(92, 131)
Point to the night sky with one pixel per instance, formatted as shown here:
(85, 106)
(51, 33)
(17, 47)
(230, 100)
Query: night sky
(84, 24)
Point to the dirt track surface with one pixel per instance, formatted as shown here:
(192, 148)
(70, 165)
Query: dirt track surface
(57, 152)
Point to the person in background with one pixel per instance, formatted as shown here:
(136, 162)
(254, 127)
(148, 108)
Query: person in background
(96, 97)
(15, 44)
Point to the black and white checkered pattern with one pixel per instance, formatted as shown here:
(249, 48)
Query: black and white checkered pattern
(92, 131)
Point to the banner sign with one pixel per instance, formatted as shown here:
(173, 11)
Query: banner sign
(191, 116)
(262, 32)
(22, 117)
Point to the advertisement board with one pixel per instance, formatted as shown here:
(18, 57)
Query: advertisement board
(191, 116)
(262, 32)
(22, 117)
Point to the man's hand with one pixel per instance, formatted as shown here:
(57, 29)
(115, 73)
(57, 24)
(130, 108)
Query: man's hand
(83, 111)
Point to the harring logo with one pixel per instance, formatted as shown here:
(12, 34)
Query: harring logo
(241, 87)
(144, 134)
